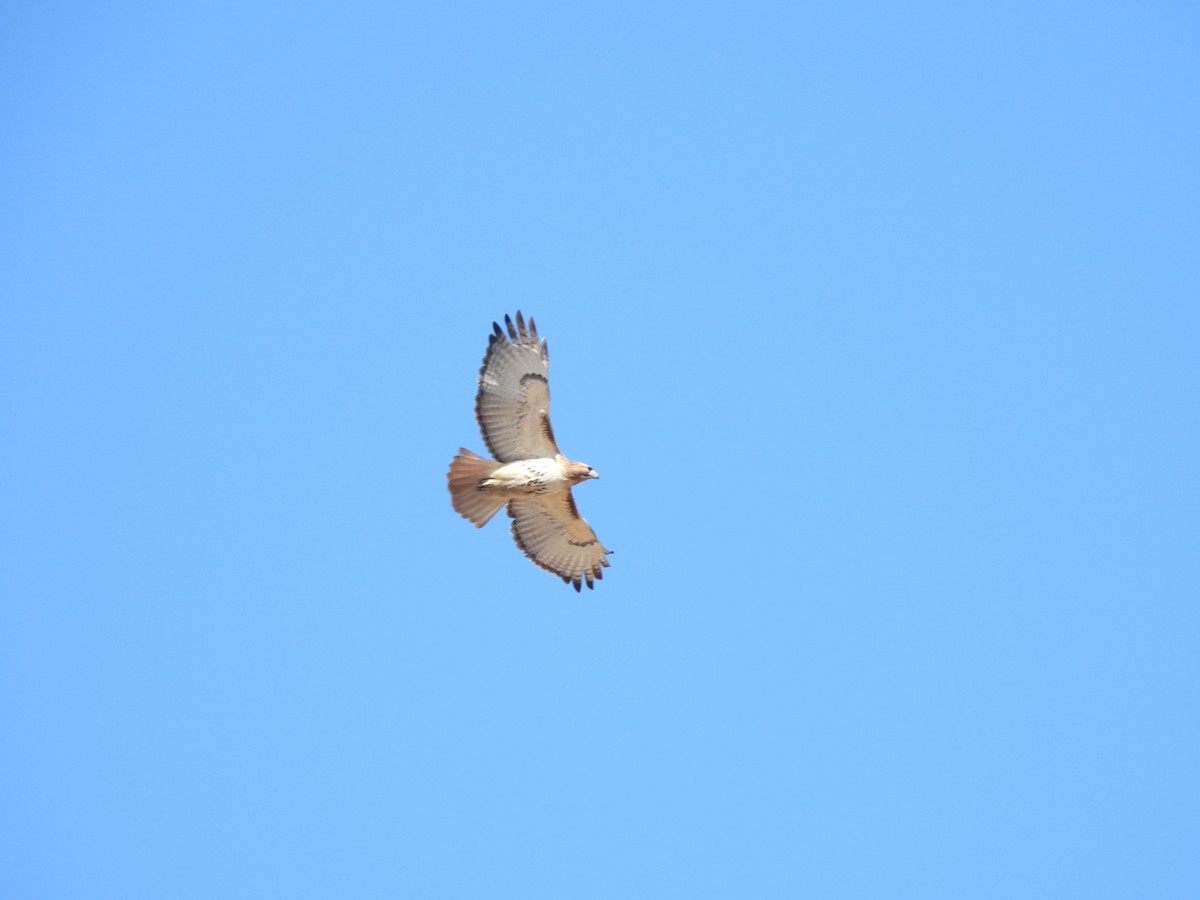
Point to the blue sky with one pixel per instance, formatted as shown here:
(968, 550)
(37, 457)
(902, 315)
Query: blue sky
(881, 324)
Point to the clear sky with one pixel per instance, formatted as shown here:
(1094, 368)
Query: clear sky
(880, 322)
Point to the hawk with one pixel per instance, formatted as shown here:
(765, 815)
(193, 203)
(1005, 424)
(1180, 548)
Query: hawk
(529, 473)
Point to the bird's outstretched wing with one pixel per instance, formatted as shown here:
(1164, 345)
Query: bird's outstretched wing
(512, 405)
(550, 531)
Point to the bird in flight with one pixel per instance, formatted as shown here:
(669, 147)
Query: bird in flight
(529, 473)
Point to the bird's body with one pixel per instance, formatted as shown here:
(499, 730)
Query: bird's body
(529, 474)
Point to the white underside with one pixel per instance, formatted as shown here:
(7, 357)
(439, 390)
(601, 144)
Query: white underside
(527, 476)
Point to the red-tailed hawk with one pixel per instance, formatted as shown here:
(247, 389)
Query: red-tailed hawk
(529, 474)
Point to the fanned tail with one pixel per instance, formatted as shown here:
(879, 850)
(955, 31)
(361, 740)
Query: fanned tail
(466, 471)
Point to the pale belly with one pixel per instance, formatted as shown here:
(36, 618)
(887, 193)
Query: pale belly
(526, 476)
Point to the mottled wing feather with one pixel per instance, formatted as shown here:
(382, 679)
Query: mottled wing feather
(512, 405)
(550, 531)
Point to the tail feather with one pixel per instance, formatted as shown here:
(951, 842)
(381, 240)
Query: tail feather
(466, 471)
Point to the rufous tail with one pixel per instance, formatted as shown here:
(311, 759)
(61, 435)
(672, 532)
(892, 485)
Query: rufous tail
(466, 471)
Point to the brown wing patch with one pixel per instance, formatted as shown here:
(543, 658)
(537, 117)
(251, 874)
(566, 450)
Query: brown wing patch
(547, 431)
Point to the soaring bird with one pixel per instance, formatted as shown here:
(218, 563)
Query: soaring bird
(529, 473)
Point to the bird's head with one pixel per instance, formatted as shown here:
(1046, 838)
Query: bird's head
(577, 472)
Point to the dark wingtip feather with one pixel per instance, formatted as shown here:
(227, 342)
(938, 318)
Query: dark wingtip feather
(512, 332)
(499, 331)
